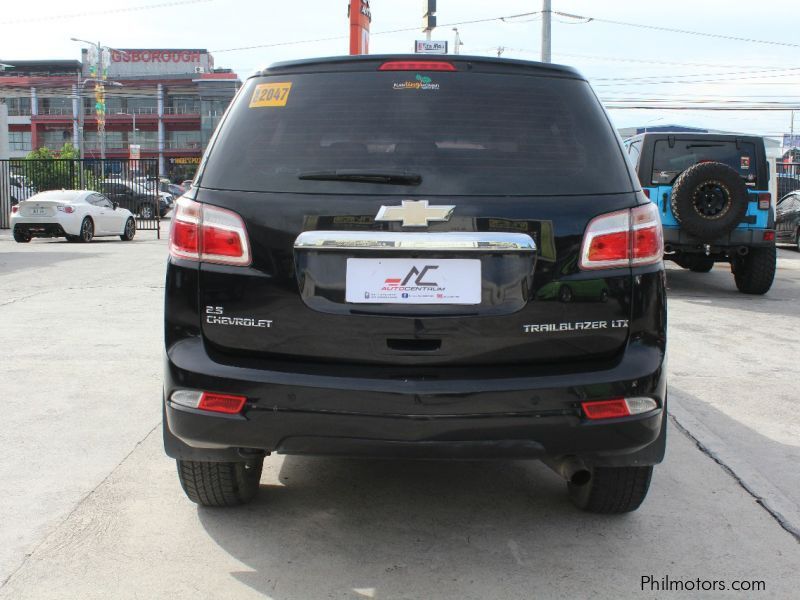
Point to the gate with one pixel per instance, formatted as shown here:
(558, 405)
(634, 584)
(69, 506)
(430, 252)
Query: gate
(788, 178)
(133, 184)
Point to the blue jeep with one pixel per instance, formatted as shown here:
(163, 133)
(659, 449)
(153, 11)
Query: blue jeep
(711, 191)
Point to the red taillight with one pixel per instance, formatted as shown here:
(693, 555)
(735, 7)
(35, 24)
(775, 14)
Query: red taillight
(646, 192)
(14, 209)
(764, 200)
(221, 403)
(769, 236)
(417, 65)
(66, 208)
(208, 233)
(623, 238)
(605, 409)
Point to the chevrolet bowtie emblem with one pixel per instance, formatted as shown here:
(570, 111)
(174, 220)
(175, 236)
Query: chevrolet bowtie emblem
(415, 213)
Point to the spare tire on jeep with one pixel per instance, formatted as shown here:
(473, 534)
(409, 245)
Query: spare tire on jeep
(709, 200)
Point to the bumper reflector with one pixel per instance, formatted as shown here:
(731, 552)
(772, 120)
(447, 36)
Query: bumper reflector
(220, 403)
(618, 407)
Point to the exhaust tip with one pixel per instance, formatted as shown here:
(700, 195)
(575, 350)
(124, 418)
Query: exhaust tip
(743, 250)
(580, 477)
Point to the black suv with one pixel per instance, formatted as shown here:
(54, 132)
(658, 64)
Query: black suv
(712, 193)
(395, 256)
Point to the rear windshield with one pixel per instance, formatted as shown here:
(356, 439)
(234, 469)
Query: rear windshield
(671, 161)
(462, 133)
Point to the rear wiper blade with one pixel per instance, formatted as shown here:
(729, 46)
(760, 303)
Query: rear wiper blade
(388, 177)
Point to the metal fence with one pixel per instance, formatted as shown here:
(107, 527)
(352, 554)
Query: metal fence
(788, 178)
(133, 184)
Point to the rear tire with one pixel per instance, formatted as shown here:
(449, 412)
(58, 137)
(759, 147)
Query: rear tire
(612, 490)
(130, 230)
(797, 240)
(23, 237)
(755, 271)
(87, 230)
(220, 483)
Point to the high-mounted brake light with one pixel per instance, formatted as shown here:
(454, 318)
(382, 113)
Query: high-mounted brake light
(201, 232)
(625, 238)
(417, 65)
(764, 200)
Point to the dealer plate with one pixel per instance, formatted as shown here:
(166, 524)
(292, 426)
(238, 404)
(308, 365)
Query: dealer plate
(413, 281)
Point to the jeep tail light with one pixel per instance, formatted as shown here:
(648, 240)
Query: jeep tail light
(764, 200)
(417, 65)
(624, 238)
(207, 233)
(617, 407)
(220, 403)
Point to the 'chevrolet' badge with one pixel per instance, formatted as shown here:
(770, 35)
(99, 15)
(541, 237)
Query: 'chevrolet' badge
(415, 213)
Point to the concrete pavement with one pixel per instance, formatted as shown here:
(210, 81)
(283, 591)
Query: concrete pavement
(92, 508)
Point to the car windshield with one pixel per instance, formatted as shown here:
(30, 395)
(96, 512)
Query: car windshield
(669, 161)
(455, 133)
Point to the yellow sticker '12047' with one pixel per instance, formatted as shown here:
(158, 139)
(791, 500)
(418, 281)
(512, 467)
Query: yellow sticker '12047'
(271, 94)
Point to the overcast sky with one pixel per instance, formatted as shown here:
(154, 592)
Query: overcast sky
(607, 54)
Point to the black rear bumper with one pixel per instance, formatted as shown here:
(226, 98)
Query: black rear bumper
(676, 239)
(533, 415)
(41, 229)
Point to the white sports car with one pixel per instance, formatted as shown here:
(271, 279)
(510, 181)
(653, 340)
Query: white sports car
(78, 215)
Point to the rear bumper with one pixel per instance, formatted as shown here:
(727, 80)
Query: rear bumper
(41, 229)
(462, 414)
(679, 240)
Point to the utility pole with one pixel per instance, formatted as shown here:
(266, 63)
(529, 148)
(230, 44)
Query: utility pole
(429, 18)
(547, 14)
(457, 42)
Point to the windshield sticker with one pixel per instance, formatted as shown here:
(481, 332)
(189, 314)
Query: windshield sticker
(270, 94)
(421, 82)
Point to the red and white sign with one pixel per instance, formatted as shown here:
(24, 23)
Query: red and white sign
(360, 18)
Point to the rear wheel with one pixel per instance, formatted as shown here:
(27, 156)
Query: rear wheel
(130, 230)
(612, 490)
(220, 483)
(87, 230)
(755, 271)
(23, 237)
(797, 240)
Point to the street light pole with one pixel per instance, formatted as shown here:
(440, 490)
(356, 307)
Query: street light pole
(547, 14)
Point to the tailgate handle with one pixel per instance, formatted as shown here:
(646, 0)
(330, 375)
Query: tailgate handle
(411, 345)
(477, 241)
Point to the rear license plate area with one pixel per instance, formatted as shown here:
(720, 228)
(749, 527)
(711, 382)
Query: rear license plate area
(413, 281)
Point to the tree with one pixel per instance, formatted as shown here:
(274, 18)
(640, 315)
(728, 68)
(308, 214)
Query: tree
(48, 170)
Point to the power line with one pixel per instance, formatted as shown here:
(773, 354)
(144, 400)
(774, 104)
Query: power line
(107, 11)
(674, 30)
(505, 19)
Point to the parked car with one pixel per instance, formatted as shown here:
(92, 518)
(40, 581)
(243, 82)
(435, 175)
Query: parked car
(175, 190)
(711, 193)
(357, 271)
(186, 184)
(787, 220)
(138, 198)
(78, 215)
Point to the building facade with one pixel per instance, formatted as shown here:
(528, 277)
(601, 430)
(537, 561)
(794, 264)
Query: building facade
(166, 102)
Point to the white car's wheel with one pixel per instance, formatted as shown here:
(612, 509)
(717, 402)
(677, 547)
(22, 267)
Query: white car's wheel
(130, 230)
(87, 230)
